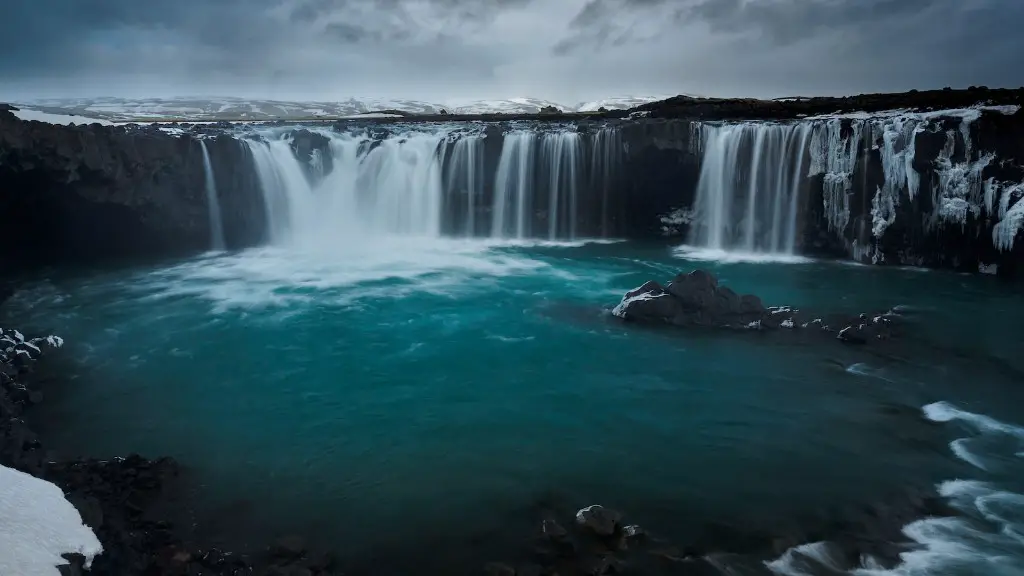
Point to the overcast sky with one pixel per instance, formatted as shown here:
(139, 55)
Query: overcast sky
(453, 50)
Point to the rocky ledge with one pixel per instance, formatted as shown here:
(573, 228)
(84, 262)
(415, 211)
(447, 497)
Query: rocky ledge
(83, 194)
(695, 299)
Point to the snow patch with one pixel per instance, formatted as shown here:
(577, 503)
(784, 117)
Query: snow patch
(39, 525)
(620, 309)
(51, 118)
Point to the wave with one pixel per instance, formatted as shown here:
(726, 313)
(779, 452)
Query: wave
(987, 540)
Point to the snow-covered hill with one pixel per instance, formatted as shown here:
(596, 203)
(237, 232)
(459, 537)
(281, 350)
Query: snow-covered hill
(227, 108)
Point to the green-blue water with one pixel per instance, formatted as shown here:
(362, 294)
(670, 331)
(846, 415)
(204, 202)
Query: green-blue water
(415, 395)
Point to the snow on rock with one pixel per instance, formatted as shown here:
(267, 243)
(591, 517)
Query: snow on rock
(37, 525)
(620, 309)
(622, 103)
(111, 110)
(1011, 217)
(372, 115)
(51, 118)
(672, 221)
(959, 192)
(960, 187)
(835, 156)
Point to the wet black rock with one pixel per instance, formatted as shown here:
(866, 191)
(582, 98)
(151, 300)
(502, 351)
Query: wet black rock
(100, 193)
(598, 519)
(695, 299)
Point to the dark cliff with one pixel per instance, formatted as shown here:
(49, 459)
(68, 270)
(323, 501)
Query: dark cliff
(940, 190)
(89, 193)
(916, 188)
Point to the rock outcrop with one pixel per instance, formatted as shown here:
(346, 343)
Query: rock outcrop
(88, 193)
(696, 300)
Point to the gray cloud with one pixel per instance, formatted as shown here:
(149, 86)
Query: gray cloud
(565, 50)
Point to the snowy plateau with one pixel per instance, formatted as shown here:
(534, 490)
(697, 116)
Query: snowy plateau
(217, 108)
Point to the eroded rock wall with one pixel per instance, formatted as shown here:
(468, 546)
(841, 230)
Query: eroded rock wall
(90, 193)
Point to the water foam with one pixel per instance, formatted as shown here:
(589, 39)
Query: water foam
(384, 267)
(989, 539)
(806, 560)
(729, 257)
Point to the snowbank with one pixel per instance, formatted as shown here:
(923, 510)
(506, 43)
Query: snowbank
(37, 525)
(26, 114)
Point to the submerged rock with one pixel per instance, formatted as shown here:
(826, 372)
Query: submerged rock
(695, 299)
(600, 520)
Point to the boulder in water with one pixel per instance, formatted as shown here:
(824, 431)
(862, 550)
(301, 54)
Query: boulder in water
(696, 299)
(598, 519)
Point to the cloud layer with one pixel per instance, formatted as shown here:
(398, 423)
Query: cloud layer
(449, 50)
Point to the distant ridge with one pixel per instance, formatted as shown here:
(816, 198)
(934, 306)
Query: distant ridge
(230, 108)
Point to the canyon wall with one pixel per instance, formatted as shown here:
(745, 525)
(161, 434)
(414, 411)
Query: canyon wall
(938, 189)
(90, 193)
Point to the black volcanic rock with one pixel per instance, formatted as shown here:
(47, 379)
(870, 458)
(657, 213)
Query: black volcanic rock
(88, 193)
(313, 152)
(690, 107)
(695, 300)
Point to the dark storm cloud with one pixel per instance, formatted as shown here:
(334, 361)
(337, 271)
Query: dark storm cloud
(195, 42)
(820, 45)
(559, 49)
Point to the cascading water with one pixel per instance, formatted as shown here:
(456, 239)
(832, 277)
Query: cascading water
(562, 154)
(606, 154)
(287, 195)
(423, 183)
(464, 179)
(390, 186)
(749, 187)
(513, 185)
(213, 203)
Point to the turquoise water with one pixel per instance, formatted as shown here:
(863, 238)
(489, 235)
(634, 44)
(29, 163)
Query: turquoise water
(423, 395)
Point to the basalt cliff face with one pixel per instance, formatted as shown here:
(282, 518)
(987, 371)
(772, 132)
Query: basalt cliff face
(91, 193)
(925, 179)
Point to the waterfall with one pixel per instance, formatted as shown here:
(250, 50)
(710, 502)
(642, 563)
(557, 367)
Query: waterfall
(604, 164)
(513, 184)
(562, 155)
(749, 186)
(212, 202)
(429, 181)
(287, 195)
(388, 186)
(464, 179)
